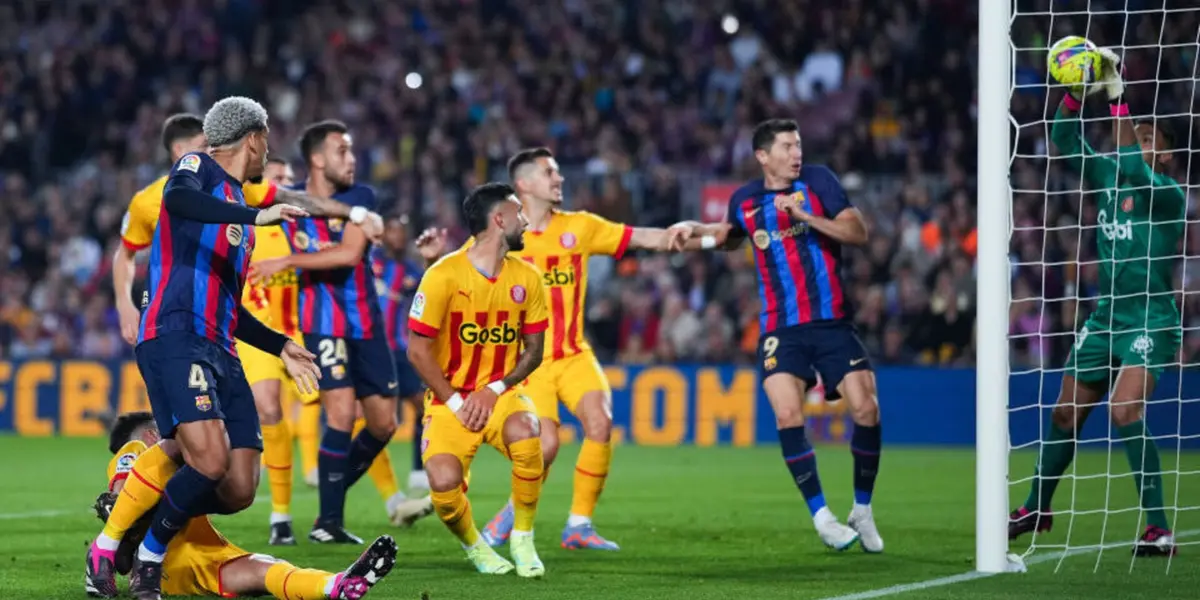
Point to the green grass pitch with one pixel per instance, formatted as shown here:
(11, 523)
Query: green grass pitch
(694, 523)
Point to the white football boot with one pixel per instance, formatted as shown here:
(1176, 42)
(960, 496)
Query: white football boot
(863, 521)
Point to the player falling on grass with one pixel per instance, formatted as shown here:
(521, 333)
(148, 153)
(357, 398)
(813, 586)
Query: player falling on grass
(477, 326)
(339, 315)
(186, 352)
(1134, 332)
(560, 243)
(798, 218)
(201, 562)
(397, 277)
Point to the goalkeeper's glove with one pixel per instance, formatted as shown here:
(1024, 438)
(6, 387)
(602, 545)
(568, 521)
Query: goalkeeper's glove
(1110, 76)
(104, 505)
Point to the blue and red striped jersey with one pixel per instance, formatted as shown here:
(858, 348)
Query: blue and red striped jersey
(799, 269)
(197, 270)
(336, 302)
(396, 284)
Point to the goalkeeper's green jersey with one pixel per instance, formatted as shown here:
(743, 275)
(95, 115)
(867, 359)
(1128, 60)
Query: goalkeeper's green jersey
(1141, 216)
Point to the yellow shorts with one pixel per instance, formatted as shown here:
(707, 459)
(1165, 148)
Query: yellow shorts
(194, 560)
(260, 366)
(566, 379)
(445, 434)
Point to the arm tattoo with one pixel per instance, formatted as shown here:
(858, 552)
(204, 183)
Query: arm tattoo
(316, 206)
(527, 363)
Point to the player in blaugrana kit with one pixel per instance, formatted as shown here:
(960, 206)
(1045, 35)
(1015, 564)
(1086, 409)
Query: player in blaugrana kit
(342, 324)
(798, 218)
(185, 350)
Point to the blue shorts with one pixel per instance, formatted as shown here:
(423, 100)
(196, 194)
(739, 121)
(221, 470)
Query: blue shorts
(830, 348)
(189, 378)
(406, 376)
(363, 364)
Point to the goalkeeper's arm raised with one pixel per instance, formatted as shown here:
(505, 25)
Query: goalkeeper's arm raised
(1098, 171)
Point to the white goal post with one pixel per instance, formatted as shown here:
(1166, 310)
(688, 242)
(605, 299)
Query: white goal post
(992, 287)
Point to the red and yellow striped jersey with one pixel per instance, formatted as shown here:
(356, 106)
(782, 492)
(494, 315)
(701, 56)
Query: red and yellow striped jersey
(561, 251)
(141, 218)
(275, 301)
(477, 321)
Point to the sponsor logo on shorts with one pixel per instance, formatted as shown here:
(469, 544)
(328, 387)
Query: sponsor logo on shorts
(203, 403)
(517, 293)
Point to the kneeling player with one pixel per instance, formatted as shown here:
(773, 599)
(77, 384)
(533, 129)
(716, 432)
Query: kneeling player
(474, 311)
(201, 562)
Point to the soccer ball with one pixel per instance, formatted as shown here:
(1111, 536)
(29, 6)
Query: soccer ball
(1074, 61)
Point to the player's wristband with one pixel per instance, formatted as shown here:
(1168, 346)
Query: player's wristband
(497, 386)
(1118, 109)
(708, 242)
(358, 214)
(454, 402)
(1072, 103)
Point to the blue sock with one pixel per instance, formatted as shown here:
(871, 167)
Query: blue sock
(865, 444)
(332, 462)
(801, 460)
(363, 451)
(418, 433)
(183, 498)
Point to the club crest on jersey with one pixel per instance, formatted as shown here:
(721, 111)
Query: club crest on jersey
(409, 282)
(190, 162)
(517, 293)
(568, 240)
(203, 403)
(1127, 204)
(234, 234)
(762, 239)
(300, 240)
(336, 225)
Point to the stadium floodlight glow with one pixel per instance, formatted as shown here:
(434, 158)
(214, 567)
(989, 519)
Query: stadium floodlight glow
(992, 291)
(729, 24)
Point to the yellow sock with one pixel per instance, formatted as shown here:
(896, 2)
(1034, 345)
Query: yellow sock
(142, 490)
(277, 454)
(289, 582)
(591, 471)
(380, 471)
(528, 472)
(454, 510)
(308, 432)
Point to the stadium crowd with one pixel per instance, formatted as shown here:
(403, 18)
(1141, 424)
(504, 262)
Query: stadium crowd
(643, 102)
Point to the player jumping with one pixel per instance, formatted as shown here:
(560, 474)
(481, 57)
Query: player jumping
(560, 243)
(186, 351)
(798, 218)
(201, 562)
(1134, 331)
(477, 327)
(341, 323)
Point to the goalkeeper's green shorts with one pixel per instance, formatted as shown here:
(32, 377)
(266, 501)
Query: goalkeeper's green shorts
(1099, 351)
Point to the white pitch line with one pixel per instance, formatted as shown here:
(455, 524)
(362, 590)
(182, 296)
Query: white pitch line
(36, 514)
(973, 575)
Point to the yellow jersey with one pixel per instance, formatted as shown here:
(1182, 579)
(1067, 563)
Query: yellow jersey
(141, 219)
(477, 321)
(275, 302)
(561, 252)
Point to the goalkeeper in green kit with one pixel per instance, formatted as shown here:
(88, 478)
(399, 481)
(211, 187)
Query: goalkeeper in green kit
(1135, 330)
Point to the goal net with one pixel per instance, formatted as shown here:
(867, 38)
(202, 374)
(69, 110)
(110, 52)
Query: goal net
(1065, 230)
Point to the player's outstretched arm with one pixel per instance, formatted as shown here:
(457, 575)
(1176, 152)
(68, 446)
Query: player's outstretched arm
(848, 227)
(371, 222)
(257, 334)
(712, 236)
(346, 254)
(424, 361)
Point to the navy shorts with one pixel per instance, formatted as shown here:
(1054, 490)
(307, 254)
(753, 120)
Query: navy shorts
(406, 376)
(363, 364)
(189, 378)
(830, 348)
